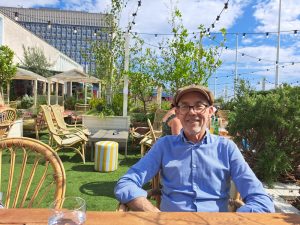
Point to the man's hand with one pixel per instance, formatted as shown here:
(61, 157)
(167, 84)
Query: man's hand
(142, 204)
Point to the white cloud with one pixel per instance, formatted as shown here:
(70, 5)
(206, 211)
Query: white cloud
(266, 14)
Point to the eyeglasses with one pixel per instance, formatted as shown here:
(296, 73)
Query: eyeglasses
(198, 108)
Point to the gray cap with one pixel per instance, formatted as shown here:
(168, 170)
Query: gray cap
(193, 88)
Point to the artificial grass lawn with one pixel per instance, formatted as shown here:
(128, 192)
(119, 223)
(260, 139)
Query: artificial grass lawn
(95, 187)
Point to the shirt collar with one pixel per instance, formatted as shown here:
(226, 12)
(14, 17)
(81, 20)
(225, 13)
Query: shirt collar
(206, 139)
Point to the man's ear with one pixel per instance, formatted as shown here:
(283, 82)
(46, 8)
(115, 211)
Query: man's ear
(211, 110)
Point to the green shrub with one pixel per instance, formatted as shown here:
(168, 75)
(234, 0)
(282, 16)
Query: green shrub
(70, 103)
(26, 102)
(97, 103)
(271, 124)
(117, 104)
(166, 105)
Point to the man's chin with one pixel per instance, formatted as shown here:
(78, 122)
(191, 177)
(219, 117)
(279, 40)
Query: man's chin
(194, 131)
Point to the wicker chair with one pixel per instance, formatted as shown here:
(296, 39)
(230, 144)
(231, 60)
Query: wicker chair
(60, 138)
(32, 175)
(7, 118)
(57, 111)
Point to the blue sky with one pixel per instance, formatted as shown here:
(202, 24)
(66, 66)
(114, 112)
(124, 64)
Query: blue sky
(242, 16)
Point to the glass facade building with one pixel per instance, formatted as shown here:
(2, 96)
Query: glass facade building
(71, 32)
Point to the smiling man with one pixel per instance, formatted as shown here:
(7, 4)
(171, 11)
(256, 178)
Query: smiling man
(195, 166)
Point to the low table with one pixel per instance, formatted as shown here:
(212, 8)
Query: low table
(109, 135)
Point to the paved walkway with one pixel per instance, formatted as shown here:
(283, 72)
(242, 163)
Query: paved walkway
(280, 192)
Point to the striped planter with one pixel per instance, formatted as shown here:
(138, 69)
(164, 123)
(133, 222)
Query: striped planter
(106, 156)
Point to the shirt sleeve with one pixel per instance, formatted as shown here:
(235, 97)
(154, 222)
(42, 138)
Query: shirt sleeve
(130, 185)
(250, 188)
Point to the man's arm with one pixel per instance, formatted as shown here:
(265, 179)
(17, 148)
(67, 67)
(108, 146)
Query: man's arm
(129, 189)
(142, 204)
(250, 188)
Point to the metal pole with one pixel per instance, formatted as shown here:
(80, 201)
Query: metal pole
(278, 48)
(126, 67)
(263, 84)
(236, 61)
(215, 87)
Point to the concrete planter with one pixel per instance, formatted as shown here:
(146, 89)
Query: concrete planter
(16, 129)
(96, 123)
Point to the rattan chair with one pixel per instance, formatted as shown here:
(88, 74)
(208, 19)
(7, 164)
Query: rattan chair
(57, 111)
(31, 174)
(60, 138)
(7, 118)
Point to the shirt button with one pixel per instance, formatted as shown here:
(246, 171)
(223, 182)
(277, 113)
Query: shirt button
(194, 166)
(195, 186)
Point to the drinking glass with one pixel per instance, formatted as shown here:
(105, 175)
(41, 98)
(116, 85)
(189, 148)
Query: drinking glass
(68, 211)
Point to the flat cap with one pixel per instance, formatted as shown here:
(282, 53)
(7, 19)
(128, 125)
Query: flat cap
(193, 88)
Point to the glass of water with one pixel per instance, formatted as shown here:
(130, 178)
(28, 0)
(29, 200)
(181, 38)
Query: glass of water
(69, 210)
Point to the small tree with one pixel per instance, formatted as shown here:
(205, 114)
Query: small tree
(7, 68)
(185, 61)
(109, 54)
(36, 61)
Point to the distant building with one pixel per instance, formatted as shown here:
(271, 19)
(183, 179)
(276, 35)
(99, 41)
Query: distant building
(71, 32)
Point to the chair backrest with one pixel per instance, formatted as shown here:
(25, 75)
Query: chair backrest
(47, 114)
(31, 173)
(7, 117)
(57, 111)
(152, 133)
(157, 123)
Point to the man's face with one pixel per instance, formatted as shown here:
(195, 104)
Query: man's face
(194, 120)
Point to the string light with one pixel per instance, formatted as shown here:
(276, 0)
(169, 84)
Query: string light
(95, 32)
(134, 14)
(244, 34)
(49, 24)
(226, 6)
(295, 32)
(16, 16)
(74, 30)
(267, 34)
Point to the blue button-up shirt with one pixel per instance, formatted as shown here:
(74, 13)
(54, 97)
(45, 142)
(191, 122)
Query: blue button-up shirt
(195, 176)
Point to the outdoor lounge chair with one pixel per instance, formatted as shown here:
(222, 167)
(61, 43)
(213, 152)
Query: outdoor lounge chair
(57, 111)
(149, 138)
(61, 138)
(32, 174)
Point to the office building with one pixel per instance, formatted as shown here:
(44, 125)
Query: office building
(71, 32)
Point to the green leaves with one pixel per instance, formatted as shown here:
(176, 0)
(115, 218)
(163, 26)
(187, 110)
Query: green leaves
(7, 68)
(36, 61)
(270, 122)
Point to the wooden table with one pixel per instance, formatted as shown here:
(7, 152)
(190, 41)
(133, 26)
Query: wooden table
(109, 135)
(40, 216)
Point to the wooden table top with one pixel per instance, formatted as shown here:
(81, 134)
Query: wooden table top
(40, 216)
